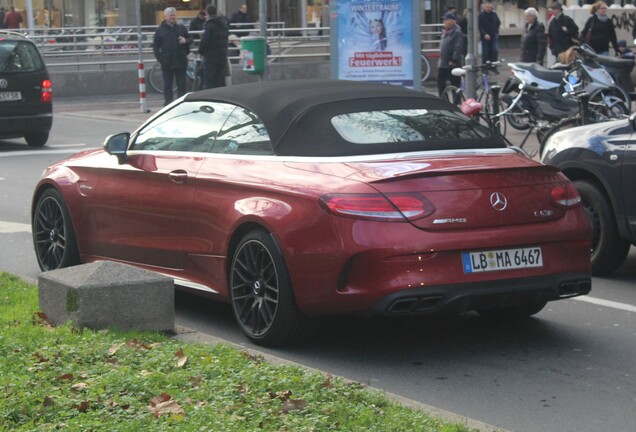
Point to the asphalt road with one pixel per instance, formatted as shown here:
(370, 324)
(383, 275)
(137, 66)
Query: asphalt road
(571, 368)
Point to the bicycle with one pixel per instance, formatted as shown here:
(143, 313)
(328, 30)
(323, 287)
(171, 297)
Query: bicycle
(193, 76)
(426, 65)
(457, 95)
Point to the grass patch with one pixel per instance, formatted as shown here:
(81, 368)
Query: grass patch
(64, 379)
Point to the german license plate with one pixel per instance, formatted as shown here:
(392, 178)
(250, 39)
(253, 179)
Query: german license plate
(10, 96)
(504, 259)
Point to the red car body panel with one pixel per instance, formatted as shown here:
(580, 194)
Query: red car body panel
(185, 227)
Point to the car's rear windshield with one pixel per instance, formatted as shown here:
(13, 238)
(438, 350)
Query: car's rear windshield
(19, 56)
(374, 126)
(407, 125)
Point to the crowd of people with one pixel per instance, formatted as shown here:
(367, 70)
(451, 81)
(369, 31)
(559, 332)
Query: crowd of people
(561, 34)
(216, 43)
(219, 40)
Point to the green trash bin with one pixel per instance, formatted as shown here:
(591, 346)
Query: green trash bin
(253, 50)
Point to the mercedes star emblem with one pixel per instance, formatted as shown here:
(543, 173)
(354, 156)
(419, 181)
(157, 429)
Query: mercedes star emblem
(3, 83)
(498, 201)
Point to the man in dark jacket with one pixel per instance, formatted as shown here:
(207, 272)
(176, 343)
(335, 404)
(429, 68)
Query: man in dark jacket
(533, 40)
(171, 45)
(213, 48)
(240, 18)
(450, 54)
(562, 31)
(489, 24)
(197, 23)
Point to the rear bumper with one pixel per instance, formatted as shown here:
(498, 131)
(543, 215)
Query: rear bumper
(18, 126)
(483, 295)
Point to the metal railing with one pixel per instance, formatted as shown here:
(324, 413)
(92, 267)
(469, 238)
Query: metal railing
(84, 48)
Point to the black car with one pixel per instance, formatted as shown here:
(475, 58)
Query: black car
(26, 108)
(601, 161)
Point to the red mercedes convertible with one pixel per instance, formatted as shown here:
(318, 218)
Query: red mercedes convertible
(296, 200)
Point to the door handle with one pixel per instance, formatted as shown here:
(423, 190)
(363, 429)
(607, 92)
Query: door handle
(178, 176)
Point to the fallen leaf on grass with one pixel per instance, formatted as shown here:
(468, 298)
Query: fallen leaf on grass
(293, 404)
(164, 404)
(67, 376)
(40, 357)
(181, 358)
(79, 386)
(40, 318)
(82, 407)
(114, 349)
(282, 395)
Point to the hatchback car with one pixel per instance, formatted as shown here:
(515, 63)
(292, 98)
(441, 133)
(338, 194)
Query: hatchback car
(601, 161)
(26, 108)
(294, 200)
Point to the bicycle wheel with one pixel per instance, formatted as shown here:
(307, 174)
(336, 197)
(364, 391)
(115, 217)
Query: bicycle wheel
(426, 68)
(453, 95)
(489, 114)
(564, 124)
(516, 117)
(156, 78)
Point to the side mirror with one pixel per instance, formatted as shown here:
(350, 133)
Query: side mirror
(117, 145)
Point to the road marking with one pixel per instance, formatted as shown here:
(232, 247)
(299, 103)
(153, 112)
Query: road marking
(13, 227)
(38, 152)
(607, 303)
(66, 145)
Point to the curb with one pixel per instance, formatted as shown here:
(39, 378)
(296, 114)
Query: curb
(188, 335)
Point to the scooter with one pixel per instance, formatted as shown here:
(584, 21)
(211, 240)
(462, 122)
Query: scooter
(619, 69)
(548, 95)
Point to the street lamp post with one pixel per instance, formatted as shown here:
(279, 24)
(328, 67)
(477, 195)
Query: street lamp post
(471, 58)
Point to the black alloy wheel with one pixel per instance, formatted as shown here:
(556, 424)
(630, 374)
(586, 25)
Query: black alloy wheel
(53, 234)
(262, 295)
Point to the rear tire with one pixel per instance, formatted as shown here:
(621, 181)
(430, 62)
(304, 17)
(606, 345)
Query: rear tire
(608, 250)
(37, 139)
(615, 102)
(262, 296)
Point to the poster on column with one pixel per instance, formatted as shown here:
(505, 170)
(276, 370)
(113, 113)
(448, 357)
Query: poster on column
(375, 41)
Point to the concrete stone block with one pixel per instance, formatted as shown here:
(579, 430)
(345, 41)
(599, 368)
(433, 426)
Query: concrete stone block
(106, 294)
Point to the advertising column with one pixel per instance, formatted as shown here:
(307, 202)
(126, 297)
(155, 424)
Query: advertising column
(376, 41)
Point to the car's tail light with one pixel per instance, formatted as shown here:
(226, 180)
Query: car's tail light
(565, 195)
(47, 92)
(378, 207)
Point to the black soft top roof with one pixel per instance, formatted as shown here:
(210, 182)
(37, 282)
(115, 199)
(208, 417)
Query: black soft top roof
(297, 113)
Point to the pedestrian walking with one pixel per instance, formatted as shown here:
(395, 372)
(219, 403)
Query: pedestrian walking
(213, 48)
(12, 19)
(533, 40)
(2, 15)
(451, 54)
(599, 30)
(489, 24)
(171, 46)
(562, 31)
